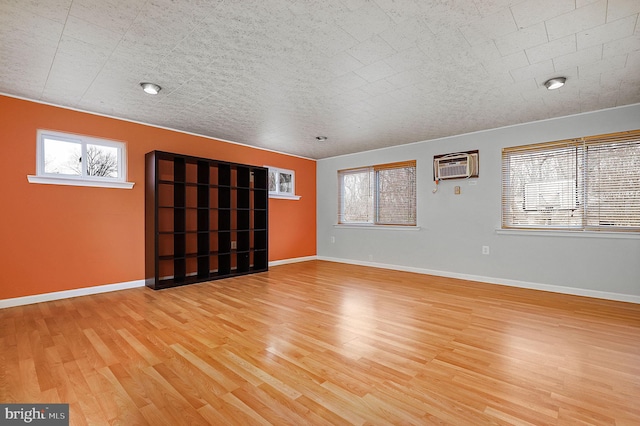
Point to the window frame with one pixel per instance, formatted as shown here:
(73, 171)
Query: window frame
(584, 178)
(84, 179)
(288, 195)
(374, 195)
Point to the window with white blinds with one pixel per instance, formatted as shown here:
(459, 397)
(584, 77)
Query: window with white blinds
(590, 183)
(384, 194)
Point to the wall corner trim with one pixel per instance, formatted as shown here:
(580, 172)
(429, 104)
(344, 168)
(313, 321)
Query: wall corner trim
(66, 294)
(630, 298)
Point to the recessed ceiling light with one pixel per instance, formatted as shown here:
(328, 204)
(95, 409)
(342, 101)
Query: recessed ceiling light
(321, 138)
(555, 83)
(150, 88)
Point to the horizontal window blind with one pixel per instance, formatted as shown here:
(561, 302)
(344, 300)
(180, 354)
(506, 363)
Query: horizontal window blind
(383, 194)
(396, 193)
(588, 183)
(612, 179)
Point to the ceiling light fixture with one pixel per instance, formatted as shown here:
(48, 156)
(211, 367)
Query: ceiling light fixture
(555, 83)
(321, 138)
(150, 88)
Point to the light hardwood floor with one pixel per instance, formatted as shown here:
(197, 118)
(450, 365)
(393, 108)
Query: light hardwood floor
(327, 343)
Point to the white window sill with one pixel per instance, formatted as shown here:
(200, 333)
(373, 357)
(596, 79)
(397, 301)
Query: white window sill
(48, 180)
(371, 226)
(559, 233)
(284, 197)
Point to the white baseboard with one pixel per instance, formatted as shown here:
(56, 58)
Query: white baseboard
(37, 298)
(46, 297)
(499, 281)
(292, 260)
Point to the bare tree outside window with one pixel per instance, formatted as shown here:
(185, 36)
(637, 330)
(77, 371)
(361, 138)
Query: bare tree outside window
(286, 183)
(273, 187)
(100, 161)
(357, 205)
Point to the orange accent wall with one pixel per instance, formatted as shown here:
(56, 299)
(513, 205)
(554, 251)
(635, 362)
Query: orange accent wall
(56, 238)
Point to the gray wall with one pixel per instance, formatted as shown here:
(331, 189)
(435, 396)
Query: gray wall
(453, 228)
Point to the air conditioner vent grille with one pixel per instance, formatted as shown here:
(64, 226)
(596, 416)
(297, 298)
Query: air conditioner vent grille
(451, 170)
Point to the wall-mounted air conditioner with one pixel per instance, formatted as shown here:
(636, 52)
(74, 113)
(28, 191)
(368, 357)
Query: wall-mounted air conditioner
(456, 166)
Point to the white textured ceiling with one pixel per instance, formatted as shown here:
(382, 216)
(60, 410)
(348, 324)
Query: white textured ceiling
(364, 73)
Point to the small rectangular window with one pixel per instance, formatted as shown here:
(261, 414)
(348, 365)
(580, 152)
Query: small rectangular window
(282, 183)
(590, 183)
(384, 194)
(68, 159)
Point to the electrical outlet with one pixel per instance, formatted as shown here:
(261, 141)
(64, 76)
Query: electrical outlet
(485, 250)
(234, 245)
(333, 239)
(456, 190)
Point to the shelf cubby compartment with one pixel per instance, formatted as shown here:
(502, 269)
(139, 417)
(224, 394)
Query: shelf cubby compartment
(224, 264)
(224, 174)
(243, 177)
(243, 241)
(244, 261)
(260, 261)
(260, 219)
(243, 198)
(260, 199)
(260, 178)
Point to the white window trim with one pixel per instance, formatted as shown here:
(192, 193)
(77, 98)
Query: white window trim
(362, 225)
(42, 177)
(48, 180)
(565, 233)
(283, 195)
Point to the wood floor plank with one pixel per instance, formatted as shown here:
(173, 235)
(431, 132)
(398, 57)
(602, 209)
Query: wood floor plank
(299, 414)
(324, 343)
(269, 410)
(251, 416)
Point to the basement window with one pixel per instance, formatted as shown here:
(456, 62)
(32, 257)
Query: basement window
(282, 183)
(77, 160)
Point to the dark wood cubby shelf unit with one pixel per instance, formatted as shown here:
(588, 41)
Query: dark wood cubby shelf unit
(204, 219)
